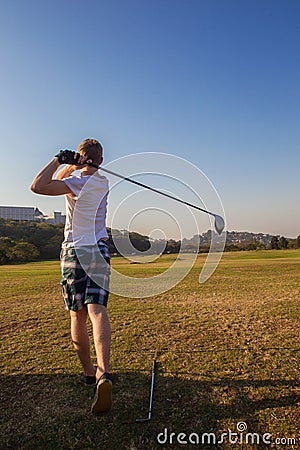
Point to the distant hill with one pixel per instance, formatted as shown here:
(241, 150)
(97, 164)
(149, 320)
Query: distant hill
(240, 237)
(242, 240)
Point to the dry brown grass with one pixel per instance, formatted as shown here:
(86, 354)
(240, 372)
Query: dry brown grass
(228, 352)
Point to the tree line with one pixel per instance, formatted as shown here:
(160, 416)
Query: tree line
(22, 241)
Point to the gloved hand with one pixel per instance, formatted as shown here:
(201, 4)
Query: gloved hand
(68, 157)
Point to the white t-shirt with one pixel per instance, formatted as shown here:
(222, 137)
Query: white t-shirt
(86, 210)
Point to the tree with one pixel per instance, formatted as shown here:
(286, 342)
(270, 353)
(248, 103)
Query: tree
(41, 233)
(298, 241)
(24, 251)
(250, 245)
(140, 242)
(283, 243)
(51, 249)
(274, 243)
(5, 249)
(172, 246)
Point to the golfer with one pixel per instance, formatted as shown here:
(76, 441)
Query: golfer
(85, 230)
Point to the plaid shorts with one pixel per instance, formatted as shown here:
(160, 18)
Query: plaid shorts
(85, 275)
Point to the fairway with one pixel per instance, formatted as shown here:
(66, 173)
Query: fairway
(228, 352)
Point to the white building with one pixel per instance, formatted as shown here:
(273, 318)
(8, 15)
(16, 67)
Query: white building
(57, 217)
(17, 212)
(30, 213)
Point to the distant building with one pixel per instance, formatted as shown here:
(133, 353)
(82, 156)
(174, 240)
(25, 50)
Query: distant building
(30, 213)
(38, 215)
(17, 212)
(57, 217)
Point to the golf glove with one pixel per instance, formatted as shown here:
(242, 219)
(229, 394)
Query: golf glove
(68, 157)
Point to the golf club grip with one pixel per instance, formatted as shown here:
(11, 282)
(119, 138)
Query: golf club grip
(154, 365)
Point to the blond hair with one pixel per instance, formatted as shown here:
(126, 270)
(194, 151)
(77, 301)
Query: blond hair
(92, 149)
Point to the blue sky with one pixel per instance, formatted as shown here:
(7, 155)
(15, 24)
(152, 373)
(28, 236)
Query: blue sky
(215, 82)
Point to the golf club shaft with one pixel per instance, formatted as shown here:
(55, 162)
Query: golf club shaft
(156, 190)
(151, 395)
(151, 389)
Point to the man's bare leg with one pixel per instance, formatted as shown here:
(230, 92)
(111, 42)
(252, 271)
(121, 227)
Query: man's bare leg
(102, 336)
(81, 340)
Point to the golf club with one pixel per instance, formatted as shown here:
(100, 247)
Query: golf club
(146, 419)
(219, 221)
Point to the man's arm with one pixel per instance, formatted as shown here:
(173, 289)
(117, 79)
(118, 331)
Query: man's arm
(65, 172)
(46, 185)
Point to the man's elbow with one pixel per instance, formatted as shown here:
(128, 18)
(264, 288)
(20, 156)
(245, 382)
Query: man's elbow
(34, 187)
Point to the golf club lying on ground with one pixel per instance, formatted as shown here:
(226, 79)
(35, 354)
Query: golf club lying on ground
(149, 417)
(219, 221)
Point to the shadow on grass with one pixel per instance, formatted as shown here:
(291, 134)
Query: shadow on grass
(52, 411)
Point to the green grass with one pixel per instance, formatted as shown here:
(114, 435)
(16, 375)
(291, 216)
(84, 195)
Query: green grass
(228, 351)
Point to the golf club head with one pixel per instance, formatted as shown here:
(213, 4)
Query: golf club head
(219, 224)
(143, 420)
